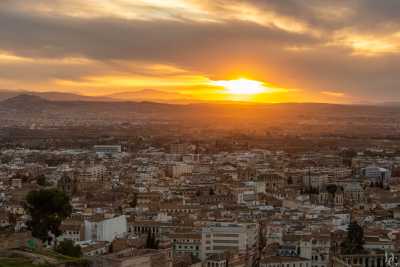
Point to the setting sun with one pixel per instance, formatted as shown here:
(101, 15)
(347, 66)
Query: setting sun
(242, 86)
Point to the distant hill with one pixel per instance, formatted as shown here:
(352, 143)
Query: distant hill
(154, 96)
(59, 96)
(25, 103)
(34, 106)
(329, 119)
(24, 99)
(53, 96)
(391, 104)
(149, 95)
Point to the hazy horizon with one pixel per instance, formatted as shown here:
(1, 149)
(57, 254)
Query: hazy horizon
(144, 95)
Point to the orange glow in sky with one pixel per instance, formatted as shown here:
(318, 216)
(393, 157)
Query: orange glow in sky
(242, 86)
(255, 51)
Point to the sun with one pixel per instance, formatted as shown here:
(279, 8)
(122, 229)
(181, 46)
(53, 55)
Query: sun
(242, 86)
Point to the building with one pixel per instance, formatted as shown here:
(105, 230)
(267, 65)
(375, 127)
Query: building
(106, 230)
(102, 150)
(94, 248)
(16, 183)
(135, 258)
(331, 196)
(179, 169)
(67, 184)
(321, 247)
(364, 260)
(73, 230)
(315, 180)
(217, 260)
(186, 243)
(178, 148)
(145, 227)
(354, 193)
(221, 237)
(284, 261)
(376, 175)
(94, 173)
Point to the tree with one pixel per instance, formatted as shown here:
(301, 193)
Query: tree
(41, 180)
(133, 201)
(148, 240)
(68, 248)
(311, 190)
(151, 241)
(262, 242)
(47, 209)
(332, 188)
(348, 156)
(353, 244)
(211, 192)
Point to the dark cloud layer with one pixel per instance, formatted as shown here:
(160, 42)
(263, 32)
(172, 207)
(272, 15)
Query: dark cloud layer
(110, 38)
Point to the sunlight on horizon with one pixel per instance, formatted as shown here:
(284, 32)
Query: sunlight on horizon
(241, 86)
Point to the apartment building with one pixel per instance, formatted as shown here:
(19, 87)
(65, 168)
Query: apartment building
(220, 237)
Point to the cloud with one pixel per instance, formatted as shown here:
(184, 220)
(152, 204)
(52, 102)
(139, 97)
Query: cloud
(305, 44)
(334, 94)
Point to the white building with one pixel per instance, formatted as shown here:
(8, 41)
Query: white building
(377, 175)
(106, 230)
(221, 237)
(247, 197)
(102, 150)
(179, 169)
(260, 186)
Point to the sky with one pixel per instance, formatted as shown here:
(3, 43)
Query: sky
(282, 50)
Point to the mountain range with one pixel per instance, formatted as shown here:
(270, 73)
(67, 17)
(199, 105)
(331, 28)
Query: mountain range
(145, 95)
(136, 96)
(27, 109)
(55, 102)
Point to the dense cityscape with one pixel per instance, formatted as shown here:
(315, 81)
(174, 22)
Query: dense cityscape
(129, 192)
